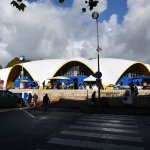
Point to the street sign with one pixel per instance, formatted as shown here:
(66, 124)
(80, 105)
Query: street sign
(98, 74)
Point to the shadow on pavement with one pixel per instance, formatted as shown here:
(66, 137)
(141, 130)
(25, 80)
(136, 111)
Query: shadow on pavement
(88, 107)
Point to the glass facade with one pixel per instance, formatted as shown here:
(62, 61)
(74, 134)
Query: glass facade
(136, 73)
(74, 69)
(133, 71)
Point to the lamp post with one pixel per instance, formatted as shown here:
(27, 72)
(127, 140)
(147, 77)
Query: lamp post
(98, 74)
(22, 58)
(22, 81)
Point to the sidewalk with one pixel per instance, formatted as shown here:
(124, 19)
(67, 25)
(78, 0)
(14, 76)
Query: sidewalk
(86, 107)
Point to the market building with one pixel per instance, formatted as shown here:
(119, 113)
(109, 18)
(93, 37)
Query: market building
(114, 71)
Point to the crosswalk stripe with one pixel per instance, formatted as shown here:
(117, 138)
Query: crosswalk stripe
(110, 120)
(105, 129)
(107, 124)
(110, 127)
(94, 145)
(103, 136)
(110, 115)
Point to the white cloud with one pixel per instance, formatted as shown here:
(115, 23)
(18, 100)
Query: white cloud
(46, 31)
(131, 39)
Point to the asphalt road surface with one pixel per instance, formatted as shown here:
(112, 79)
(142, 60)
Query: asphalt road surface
(68, 129)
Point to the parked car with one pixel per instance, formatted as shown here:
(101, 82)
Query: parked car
(9, 99)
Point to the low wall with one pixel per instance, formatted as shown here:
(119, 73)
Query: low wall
(114, 97)
(70, 94)
(139, 101)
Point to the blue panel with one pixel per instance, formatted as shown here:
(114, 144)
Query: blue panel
(139, 79)
(25, 97)
(125, 80)
(29, 83)
(80, 79)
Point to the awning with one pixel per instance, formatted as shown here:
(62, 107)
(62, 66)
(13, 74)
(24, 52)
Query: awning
(58, 78)
(90, 78)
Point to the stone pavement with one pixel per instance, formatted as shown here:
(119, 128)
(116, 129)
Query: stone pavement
(87, 107)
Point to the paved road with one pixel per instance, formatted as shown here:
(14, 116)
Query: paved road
(25, 129)
(102, 132)
(68, 129)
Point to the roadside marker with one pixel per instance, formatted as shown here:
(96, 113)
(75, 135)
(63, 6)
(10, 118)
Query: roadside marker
(32, 116)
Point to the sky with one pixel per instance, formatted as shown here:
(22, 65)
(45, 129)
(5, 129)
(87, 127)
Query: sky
(48, 30)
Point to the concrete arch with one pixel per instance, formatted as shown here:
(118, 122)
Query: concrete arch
(141, 66)
(83, 63)
(72, 61)
(13, 74)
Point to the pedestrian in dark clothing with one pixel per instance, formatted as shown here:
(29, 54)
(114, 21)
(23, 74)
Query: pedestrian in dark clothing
(35, 98)
(132, 88)
(36, 85)
(45, 101)
(94, 97)
(43, 84)
(136, 91)
(29, 99)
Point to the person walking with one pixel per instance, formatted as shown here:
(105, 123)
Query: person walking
(38, 83)
(136, 91)
(94, 97)
(132, 88)
(29, 99)
(45, 101)
(43, 84)
(35, 98)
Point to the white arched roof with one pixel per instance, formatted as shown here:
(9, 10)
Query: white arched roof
(4, 74)
(148, 66)
(41, 70)
(111, 68)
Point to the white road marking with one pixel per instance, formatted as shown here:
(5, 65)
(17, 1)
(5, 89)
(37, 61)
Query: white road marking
(116, 128)
(110, 121)
(107, 124)
(104, 136)
(94, 145)
(32, 116)
(104, 129)
(111, 115)
(112, 118)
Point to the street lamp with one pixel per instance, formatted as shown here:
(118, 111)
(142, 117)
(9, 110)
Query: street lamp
(98, 74)
(22, 81)
(22, 58)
